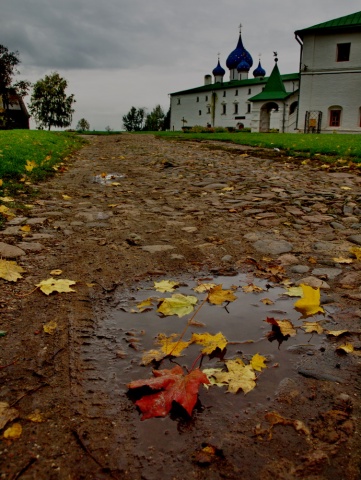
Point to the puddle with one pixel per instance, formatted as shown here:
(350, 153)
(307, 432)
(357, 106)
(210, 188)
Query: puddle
(115, 352)
(107, 179)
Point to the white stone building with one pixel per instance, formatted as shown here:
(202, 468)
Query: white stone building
(324, 96)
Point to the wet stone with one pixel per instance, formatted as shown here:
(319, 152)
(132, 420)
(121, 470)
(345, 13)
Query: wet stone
(324, 246)
(330, 273)
(11, 231)
(313, 282)
(288, 259)
(17, 221)
(351, 280)
(157, 248)
(355, 239)
(30, 246)
(300, 269)
(10, 251)
(337, 226)
(36, 221)
(273, 247)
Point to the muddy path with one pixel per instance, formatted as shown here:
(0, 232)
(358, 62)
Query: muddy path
(129, 210)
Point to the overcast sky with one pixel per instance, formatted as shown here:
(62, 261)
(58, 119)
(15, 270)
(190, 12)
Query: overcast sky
(120, 53)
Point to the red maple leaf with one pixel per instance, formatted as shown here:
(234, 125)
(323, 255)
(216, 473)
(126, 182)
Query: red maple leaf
(174, 386)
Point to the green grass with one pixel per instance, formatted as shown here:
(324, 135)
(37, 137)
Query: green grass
(334, 146)
(33, 153)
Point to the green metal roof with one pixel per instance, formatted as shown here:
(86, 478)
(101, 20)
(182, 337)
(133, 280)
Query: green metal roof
(347, 22)
(235, 84)
(274, 89)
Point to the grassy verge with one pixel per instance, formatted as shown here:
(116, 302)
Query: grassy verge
(33, 153)
(334, 146)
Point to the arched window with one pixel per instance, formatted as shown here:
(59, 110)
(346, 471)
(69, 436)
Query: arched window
(335, 116)
(293, 107)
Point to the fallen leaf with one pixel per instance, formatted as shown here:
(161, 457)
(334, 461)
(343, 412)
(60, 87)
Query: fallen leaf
(50, 327)
(10, 270)
(209, 341)
(294, 292)
(56, 272)
(165, 286)
(51, 285)
(267, 301)
(178, 304)
(336, 333)
(310, 327)
(342, 260)
(7, 414)
(6, 199)
(204, 287)
(258, 362)
(35, 417)
(6, 212)
(345, 348)
(174, 386)
(309, 304)
(25, 228)
(239, 376)
(14, 432)
(275, 418)
(171, 345)
(217, 295)
(285, 326)
(357, 252)
(66, 197)
(211, 375)
(30, 165)
(145, 304)
(252, 288)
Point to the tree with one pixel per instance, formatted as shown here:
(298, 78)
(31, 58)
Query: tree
(50, 105)
(133, 121)
(155, 119)
(8, 69)
(83, 125)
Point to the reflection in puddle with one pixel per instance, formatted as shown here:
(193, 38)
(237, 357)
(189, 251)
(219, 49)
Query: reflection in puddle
(107, 178)
(123, 337)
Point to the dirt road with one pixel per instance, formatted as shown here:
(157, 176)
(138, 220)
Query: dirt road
(129, 210)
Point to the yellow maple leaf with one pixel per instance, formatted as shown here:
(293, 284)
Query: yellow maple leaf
(52, 285)
(14, 432)
(309, 304)
(165, 286)
(145, 304)
(209, 341)
(30, 165)
(239, 376)
(204, 287)
(345, 348)
(294, 292)
(252, 288)
(178, 304)
(50, 327)
(267, 301)
(356, 251)
(6, 212)
(310, 327)
(211, 373)
(217, 295)
(10, 270)
(25, 228)
(258, 362)
(171, 345)
(336, 333)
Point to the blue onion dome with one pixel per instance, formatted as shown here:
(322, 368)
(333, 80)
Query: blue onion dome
(239, 54)
(259, 71)
(243, 66)
(219, 71)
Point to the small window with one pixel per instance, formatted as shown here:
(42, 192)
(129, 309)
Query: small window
(235, 108)
(224, 93)
(335, 118)
(249, 91)
(343, 52)
(248, 108)
(206, 98)
(293, 107)
(224, 109)
(208, 109)
(178, 101)
(197, 99)
(199, 112)
(236, 93)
